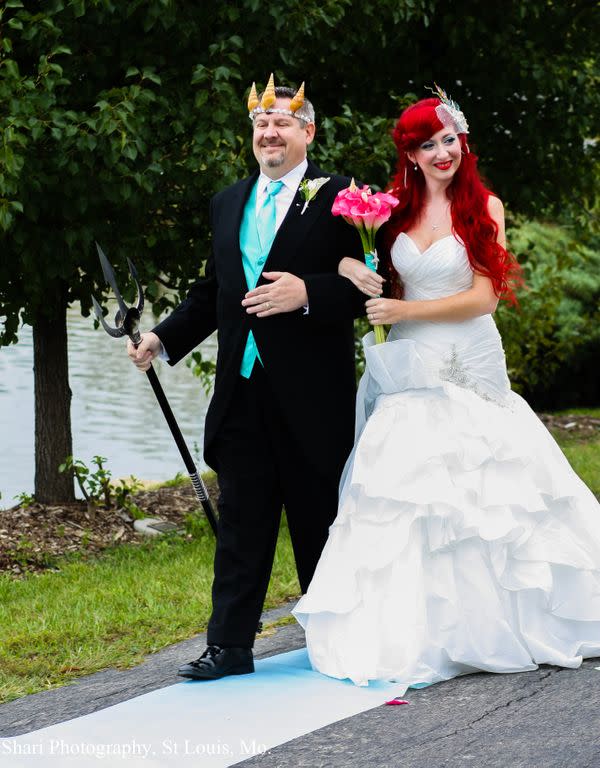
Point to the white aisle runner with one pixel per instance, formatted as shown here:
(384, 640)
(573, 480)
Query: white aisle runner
(208, 723)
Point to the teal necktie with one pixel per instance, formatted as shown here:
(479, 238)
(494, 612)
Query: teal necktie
(257, 232)
(265, 221)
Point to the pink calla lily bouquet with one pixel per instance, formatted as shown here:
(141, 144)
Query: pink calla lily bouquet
(366, 211)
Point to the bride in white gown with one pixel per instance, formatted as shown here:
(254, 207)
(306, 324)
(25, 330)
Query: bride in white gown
(464, 541)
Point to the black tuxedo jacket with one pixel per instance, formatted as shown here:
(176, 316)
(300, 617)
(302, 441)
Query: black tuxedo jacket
(309, 359)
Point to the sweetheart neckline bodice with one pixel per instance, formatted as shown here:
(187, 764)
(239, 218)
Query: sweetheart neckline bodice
(429, 247)
(442, 269)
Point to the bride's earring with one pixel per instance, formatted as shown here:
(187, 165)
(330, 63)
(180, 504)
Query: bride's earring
(416, 168)
(405, 176)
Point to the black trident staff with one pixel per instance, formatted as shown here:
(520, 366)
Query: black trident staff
(127, 321)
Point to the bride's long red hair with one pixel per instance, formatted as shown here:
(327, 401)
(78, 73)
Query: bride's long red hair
(471, 220)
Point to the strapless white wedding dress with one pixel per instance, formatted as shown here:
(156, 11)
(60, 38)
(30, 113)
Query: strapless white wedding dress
(464, 541)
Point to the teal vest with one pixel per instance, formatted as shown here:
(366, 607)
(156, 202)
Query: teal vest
(253, 261)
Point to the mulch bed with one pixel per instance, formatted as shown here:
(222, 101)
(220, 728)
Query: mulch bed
(35, 537)
(572, 425)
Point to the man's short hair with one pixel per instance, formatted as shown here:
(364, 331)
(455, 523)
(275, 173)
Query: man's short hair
(306, 111)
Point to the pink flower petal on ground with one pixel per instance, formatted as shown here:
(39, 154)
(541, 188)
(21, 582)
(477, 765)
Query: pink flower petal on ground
(397, 702)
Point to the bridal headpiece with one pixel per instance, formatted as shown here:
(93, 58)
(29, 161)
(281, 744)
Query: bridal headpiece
(448, 112)
(264, 105)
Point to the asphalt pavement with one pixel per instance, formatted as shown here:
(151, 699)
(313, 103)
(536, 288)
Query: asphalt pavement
(549, 718)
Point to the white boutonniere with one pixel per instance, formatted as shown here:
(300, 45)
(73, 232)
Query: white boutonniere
(309, 188)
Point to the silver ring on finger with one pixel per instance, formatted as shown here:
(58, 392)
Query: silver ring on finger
(269, 305)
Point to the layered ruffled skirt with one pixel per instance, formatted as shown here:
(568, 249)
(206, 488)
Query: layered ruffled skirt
(464, 540)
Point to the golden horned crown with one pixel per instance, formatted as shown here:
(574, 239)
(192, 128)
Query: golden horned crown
(257, 106)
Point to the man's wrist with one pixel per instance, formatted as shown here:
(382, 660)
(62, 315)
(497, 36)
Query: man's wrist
(161, 353)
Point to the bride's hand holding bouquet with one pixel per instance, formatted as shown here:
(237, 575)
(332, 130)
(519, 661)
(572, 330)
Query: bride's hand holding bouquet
(366, 211)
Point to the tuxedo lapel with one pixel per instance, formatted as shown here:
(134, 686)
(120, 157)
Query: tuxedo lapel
(229, 232)
(296, 225)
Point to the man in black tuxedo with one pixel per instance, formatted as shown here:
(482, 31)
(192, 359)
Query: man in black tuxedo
(280, 424)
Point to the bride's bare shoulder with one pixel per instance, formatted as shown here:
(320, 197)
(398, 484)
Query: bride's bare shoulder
(496, 211)
(495, 206)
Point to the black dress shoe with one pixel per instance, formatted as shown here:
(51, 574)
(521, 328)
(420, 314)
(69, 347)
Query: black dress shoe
(218, 662)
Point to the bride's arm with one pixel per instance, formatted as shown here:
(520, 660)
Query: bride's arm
(479, 299)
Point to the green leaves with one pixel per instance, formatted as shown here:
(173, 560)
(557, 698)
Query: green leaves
(11, 68)
(148, 73)
(60, 49)
(557, 324)
(6, 215)
(204, 370)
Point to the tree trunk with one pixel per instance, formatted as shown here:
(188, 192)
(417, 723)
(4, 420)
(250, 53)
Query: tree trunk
(53, 440)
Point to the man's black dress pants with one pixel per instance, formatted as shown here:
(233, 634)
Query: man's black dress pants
(261, 469)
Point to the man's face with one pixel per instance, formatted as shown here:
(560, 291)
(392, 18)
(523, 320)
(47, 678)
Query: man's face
(279, 141)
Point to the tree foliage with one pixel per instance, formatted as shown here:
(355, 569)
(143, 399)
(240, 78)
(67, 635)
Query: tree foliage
(552, 340)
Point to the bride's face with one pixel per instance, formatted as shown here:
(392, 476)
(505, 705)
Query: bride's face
(439, 156)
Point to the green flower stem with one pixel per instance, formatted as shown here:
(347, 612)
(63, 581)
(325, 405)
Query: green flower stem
(380, 335)
(369, 248)
(367, 238)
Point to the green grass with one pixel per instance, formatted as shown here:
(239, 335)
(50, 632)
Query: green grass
(584, 457)
(177, 481)
(583, 453)
(113, 610)
(593, 412)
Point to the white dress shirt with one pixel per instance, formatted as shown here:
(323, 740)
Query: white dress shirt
(283, 199)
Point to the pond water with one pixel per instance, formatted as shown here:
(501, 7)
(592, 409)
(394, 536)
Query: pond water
(114, 411)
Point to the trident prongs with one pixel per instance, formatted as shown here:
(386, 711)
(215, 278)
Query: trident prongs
(127, 319)
(140, 293)
(116, 332)
(109, 276)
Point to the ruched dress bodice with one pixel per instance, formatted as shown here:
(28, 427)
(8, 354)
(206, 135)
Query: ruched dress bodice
(441, 270)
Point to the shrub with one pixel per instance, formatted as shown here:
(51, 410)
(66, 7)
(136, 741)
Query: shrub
(552, 341)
